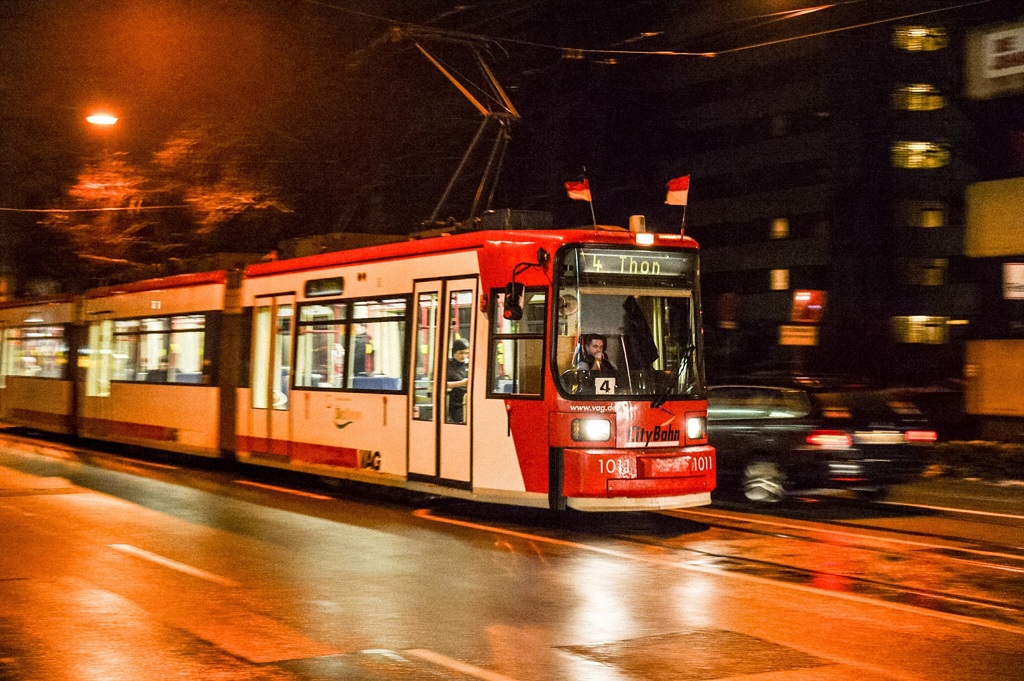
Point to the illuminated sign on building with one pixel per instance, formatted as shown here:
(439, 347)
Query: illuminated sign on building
(1013, 280)
(808, 307)
(994, 60)
(1004, 53)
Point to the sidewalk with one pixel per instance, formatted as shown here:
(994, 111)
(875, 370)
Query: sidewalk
(982, 459)
(971, 494)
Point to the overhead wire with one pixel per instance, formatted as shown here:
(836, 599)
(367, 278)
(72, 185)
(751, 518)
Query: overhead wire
(465, 80)
(679, 53)
(776, 17)
(914, 15)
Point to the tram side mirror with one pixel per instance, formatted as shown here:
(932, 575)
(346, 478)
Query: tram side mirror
(513, 301)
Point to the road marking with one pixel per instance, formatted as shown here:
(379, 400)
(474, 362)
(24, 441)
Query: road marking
(425, 514)
(174, 565)
(284, 489)
(384, 652)
(990, 514)
(457, 666)
(952, 546)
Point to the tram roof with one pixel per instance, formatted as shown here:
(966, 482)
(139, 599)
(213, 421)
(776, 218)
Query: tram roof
(36, 302)
(173, 281)
(474, 240)
(443, 243)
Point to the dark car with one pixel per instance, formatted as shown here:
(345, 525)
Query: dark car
(777, 439)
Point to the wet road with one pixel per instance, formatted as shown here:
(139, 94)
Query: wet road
(113, 568)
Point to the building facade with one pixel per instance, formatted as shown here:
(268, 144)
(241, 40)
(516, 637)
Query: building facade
(832, 184)
(994, 240)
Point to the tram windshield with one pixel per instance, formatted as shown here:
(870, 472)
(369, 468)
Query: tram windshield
(628, 324)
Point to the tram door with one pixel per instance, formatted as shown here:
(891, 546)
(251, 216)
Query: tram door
(271, 374)
(440, 416)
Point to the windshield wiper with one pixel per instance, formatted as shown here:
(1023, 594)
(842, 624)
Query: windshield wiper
(683, 365)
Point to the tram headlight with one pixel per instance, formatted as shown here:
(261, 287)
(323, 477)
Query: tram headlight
(696, 428)
(591, 430)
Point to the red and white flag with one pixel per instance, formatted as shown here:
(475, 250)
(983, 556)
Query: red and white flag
(678, 191)
(578, 191)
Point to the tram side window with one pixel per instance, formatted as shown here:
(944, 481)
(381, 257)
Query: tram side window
(126, 349)
(377, 344)
(36, 351)
(159, 349)
(517, 346)
(98, 358)
(153, 351)
(188, 336)
(320, 347)
(354, 345)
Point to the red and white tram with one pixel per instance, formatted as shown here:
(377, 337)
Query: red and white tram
(36, 390)
(148, 373)
(347, 364)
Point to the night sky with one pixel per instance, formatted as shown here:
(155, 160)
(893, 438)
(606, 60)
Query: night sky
(355, 127)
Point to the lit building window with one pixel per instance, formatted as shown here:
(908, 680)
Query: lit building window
(780, 228)
(920, 38)
(932, 216)
(926, 271)
(920, 329)
(779, 280)
(923, 214)
(917, 155)
(918, 97)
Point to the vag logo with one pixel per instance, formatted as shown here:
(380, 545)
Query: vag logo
(369, 459)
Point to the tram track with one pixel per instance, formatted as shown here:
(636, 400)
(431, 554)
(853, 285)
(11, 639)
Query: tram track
(956, 547)
(869, 566)
(944, 573)
(685, 553)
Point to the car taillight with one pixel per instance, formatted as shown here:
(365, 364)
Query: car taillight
(833, 439)
(920, 436)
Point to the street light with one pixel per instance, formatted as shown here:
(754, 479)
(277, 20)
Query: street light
(103, 123)
(101, 119)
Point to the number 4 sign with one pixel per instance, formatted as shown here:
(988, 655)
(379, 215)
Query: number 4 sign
(604, 386)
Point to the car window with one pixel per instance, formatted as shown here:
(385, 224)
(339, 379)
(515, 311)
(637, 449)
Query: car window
(749, 402)
(731, 403)
(865, 405)
(788, 403)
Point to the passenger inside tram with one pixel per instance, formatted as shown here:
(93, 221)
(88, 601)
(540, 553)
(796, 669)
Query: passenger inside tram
(457, 381)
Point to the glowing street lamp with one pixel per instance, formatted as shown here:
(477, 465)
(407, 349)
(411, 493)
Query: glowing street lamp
(103, 129)
(101, 119)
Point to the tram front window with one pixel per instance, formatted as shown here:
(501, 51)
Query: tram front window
(628, 324)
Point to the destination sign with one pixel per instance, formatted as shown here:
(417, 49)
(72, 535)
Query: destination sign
(333, 286)
(635, 263)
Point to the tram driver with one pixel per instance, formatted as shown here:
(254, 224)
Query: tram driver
(594, 357)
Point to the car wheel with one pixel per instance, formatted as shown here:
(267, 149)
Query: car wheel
(872, 493)
(764, 482)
